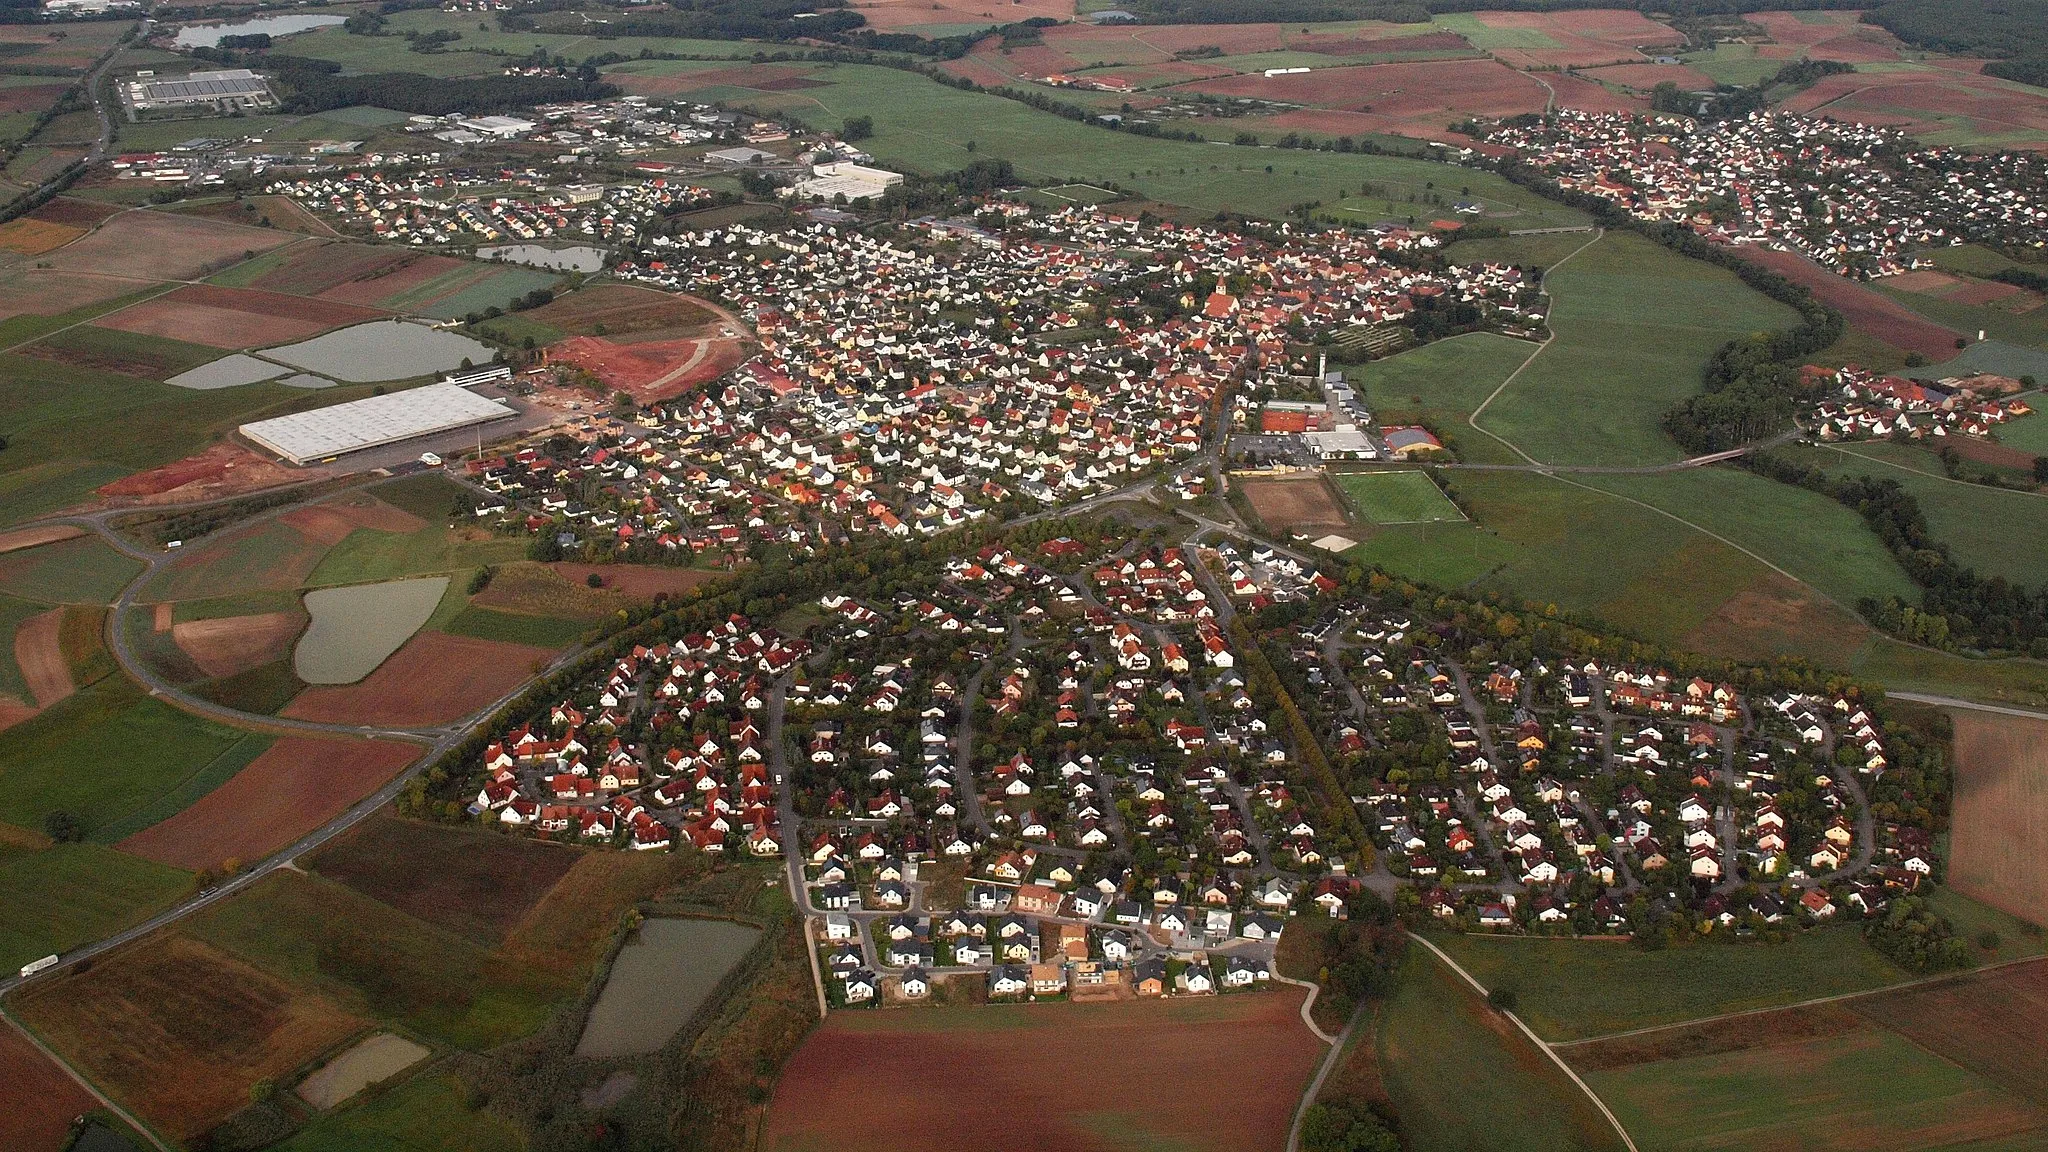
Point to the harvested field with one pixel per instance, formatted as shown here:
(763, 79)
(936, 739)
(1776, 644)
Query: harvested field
(1829, 38)
(653, 370)
(470, 880)
(266, 555)
(330, 521)
(1937, 106)
(623, 310)
(40, 656)
(640, 581)
(1866, 310)
(1647, 76)
(161, 246)
(1924, 281)
(315, 268)
(76, 213)
(224, 469)
(36, 292)
(1576, 38)
(896, 15)
(1429, 95)
(227, 645)
(1304, 505)
(826, 1094)
(31, 537)
(1584, 95)
(180, 1031)
(435, 679)
(37, 1100)
(30, 97)
(1357, 46)
(1758, 1031)
(294, 787)
(1984, 292)
(1991, 1024)
(1998, 849)
(96, 349)
(235, 318)
(32, 237)
(376, 1058)
(1777, 617)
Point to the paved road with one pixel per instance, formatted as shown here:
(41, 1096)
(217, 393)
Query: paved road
(1953, 702)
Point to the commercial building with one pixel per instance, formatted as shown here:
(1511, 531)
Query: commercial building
(225, 90)
(373, 422)
(843, 178)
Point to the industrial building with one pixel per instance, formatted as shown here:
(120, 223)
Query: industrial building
(844, 178)
(224, 90)
(373, 422)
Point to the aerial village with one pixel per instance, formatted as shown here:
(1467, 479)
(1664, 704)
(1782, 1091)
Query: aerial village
(1853, 198)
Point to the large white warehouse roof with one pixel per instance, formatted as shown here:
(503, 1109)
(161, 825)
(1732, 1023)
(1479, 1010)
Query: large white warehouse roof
(373, 422)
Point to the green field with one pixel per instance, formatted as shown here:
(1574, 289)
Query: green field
(1403, 497)
(926, 127)
(58, 898)
(1850, 1090)
(425, 1114)
(211, 775)
(1461, 1079)
(2027, 328)
(107, 753)
(516, 627)
(368, 555)
(1736, 64)
(1573, 989)
(81, 570)
(147, 357)
(1483, 36)
(1997, 531)
(1440, 384)
(1634, 323)
(2028, 434)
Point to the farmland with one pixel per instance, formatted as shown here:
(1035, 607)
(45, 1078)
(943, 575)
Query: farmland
(2001, 839)
(1459, 1076)
(37, 1100)
(70, 894)
(827, 1091)
(479, 884)
(437, 678)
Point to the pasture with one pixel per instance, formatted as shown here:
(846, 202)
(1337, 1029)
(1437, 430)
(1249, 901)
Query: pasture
(1439, 384)
(1406, 496)
(1998, 848)
(55, 898)
(1461, 1077)
(163, 246)
(396, 1119)
(124, 351)
(1997, 531)
(826, 1092)
(1634, 322)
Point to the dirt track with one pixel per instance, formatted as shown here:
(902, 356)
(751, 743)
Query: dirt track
(22, 538)
(41, 657)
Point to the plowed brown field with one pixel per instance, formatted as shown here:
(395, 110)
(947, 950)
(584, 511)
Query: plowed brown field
(435, 679)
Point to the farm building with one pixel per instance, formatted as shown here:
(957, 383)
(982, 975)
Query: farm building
(373, 422)
(225, 90)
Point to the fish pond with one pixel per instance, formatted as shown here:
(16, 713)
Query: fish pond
(381, 350)
(659, 981)
(577, 259)
(356, 628)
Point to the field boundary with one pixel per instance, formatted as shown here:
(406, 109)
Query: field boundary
(1920, 982)
(91, 1089)
(1627, 1141)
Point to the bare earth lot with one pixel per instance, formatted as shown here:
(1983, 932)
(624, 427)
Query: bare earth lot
(160, 246)
(1296, 504)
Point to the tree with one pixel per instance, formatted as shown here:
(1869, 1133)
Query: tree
(1502, 998)
(594, 580)
(857, 128)
(2040, 466)
(63, 827)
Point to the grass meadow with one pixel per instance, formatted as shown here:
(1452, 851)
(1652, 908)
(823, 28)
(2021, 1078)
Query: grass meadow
(54, 899)
(1396, 497)
(1997, 531)
(1440, 384)
(428, 1113)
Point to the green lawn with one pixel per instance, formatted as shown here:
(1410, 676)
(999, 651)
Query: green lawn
(105, 754)
(925, 126)
(1572, 989)
(58, 898)
(1634, 323)
(425, 1114)
(1396, 497)
(1844, 1092)
(1460, 1078)
(367, 555)
(374, 959)
(81, 570)
(1440, 384)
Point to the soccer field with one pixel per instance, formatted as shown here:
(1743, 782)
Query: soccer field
(1396, 497)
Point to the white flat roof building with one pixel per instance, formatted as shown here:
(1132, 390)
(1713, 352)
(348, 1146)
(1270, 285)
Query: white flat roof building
(224, 89)
(373, 422)
(843, 178)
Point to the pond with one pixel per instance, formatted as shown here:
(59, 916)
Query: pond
(659, 981)
(578, 259)
(381, 350)
(355, 628)
(209, 35)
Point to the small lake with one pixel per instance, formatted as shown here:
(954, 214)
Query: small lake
(209, 35)
(659, 981)
(579, 259)
(381, 350)
(355, 628)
